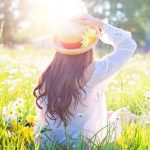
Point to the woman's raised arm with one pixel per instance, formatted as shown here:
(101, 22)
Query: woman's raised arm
(124, 47)
(122, 42)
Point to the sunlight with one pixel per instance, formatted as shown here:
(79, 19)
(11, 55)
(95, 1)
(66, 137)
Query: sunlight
(57, 11)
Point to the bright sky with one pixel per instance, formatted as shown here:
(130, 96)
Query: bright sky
(59, 10)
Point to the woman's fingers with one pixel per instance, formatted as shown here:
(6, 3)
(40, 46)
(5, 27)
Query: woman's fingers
(81, 17)
(88, 22)
(82, 21)
(87, 19)
(77, 18)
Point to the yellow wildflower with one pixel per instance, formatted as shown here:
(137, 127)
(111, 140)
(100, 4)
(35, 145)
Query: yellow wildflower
(27, 133)
(31, 119)
(88, 36)
(16, 126)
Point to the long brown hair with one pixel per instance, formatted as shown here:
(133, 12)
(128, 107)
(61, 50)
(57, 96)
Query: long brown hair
(61, 81)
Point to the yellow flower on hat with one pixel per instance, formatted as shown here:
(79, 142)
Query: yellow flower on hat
(88, 36)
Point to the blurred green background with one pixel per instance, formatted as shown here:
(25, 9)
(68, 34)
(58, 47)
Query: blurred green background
(31, 21)
(26, 27)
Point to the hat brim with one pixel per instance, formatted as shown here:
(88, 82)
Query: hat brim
(59, 48)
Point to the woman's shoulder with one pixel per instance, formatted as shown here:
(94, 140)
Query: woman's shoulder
(97, 72)
(93, 67)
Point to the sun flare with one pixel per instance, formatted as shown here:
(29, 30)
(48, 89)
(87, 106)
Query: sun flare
(57, 11)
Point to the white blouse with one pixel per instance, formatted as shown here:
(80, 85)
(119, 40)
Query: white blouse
(92, 117)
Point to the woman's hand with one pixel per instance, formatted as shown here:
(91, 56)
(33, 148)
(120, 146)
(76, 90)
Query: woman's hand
(87, 19)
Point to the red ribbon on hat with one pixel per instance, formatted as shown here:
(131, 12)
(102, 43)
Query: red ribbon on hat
(71, 45)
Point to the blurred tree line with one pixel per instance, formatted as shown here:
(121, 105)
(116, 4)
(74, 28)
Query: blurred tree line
(12, 13)
(19, 19)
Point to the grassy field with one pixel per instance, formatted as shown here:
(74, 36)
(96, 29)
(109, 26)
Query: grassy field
(19, 72)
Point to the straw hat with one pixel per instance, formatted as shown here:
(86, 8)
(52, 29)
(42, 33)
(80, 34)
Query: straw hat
(74, 38)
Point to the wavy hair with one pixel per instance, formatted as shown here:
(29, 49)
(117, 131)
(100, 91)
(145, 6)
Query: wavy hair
(61, 81)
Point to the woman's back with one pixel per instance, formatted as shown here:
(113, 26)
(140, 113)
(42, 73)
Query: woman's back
(89, 115)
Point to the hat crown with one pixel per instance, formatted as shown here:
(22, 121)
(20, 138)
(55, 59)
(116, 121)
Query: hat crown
(71, 32)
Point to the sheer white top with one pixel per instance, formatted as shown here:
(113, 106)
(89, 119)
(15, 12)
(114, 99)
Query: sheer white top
(93, 116)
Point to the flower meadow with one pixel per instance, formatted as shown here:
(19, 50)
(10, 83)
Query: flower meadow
(19, 72)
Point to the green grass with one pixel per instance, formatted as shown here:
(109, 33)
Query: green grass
(19, 72)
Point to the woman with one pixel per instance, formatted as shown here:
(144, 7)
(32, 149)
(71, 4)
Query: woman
(71, 89)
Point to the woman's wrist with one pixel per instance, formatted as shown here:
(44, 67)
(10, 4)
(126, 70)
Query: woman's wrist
(100, 24)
